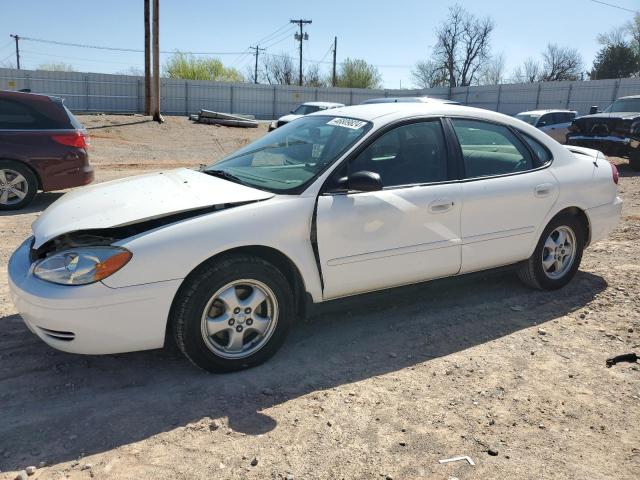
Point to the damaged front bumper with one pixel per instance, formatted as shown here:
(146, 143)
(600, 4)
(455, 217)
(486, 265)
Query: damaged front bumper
(90, 319)
(607, 144)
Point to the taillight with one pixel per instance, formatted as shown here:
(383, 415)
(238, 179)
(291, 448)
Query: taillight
(614, 172)
(76, 139)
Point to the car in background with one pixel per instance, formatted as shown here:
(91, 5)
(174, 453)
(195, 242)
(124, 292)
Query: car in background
(337, 203)
(302, 110)
(42, 147)
(554, 123)
(614, 131)
(410, 100)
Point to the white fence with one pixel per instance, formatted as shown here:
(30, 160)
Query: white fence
(95, 92)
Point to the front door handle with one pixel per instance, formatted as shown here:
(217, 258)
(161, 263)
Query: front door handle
(441, 205)
(543, 190)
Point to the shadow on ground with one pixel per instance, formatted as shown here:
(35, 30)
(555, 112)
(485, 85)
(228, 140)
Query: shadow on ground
(123, 124)
(40, 203)
(56, 406)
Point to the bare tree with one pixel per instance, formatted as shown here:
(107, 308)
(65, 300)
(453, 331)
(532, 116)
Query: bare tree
(561, 63)
(462, 46)
(493, 71)
(429, 74)
(633, 29)
(615, 36)
(527, 72)
(313, 77)
(279, 69)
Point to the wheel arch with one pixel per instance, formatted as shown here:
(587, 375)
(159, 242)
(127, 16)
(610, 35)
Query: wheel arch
(581, 215)
(25, 164)
(271, 255)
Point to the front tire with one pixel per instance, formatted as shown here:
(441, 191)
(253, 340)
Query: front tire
(232, 314)
(557, 256)
(18, 185)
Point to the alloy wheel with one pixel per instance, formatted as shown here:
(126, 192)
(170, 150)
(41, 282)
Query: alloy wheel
(559, 252)
(13, 187)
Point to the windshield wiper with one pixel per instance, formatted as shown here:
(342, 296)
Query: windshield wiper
(225, 175)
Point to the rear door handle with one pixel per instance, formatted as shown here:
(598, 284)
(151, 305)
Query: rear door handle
(543, 190)
(441, 205)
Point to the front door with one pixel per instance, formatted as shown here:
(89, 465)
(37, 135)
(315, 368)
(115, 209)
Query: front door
(407, 232)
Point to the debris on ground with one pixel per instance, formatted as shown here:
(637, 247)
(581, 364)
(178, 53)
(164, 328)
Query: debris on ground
(457, 459)
(226, 119)
(625, 357)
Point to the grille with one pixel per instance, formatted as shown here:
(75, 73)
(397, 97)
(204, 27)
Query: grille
(58, 334)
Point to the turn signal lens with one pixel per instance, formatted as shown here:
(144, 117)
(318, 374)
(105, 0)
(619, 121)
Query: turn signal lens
(82, 266)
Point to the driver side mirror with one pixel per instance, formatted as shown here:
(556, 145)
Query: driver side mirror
(290, 111)
(362, 181)
(593, 110)
(542, 124)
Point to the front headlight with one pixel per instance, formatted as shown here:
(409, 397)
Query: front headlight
(82, 265)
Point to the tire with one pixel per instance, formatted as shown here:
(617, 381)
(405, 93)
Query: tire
(211, 341)
(541, 271)
(18, 185)
(634, 160)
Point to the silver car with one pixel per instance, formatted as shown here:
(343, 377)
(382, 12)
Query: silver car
(554, 123)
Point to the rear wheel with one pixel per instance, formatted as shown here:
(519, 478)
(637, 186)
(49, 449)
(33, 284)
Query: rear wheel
(634, 160)
(557, 256)
(233, 315)
(18, 185)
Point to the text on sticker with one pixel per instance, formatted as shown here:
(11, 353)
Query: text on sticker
(347, 123)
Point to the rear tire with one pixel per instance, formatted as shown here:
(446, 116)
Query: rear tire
(232, 314)
(634, 160)
(557, 256)
(18, 185)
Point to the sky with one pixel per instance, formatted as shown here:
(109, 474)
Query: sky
(392, 35)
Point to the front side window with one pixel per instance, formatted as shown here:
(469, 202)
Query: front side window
(286, 159)
(489, 149)
(410, 154)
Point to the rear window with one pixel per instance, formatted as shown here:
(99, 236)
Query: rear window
(74, 121)
(16, 115)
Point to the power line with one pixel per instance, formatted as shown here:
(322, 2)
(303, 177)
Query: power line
(280, 38)
(273, 34)
(615, 6)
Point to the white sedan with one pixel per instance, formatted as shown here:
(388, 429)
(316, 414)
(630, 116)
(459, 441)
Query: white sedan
(337, 203)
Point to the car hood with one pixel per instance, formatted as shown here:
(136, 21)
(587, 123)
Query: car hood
(289, 118)
(624, 115)
(136, 199)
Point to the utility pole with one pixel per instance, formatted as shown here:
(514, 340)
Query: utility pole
(258, 50)
(300, 37)
(17, 37)
(156, 61)
(147, 58)
(335, 48)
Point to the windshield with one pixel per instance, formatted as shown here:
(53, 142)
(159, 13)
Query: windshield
(286, 159)
(306, 109)
(624, 105)
(530, 119)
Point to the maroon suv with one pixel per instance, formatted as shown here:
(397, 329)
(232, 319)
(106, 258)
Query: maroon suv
(42, 147)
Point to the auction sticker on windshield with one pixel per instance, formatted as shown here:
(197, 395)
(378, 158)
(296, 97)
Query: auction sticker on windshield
(347, 123)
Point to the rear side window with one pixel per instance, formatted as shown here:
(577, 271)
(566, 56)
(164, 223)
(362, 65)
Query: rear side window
(489, 149)
(542, 155)
(19, 116)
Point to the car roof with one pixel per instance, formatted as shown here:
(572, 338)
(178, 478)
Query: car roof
(28, 96)
(630, 96)
(542, 112)
(409, 100)
(382, 113)
(324, 104)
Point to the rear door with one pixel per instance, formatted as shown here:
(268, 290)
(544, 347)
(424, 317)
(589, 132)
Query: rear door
(405, 233)
(507, 192)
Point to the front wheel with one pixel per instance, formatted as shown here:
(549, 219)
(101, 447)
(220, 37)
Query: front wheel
(557, 256)
(232, 314)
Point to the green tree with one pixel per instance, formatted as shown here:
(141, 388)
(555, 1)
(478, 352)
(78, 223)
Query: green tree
(189, 67)
(615, 61)
(356, 73)
(56, 67)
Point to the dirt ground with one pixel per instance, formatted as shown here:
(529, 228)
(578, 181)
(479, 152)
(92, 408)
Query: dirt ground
(379, 386)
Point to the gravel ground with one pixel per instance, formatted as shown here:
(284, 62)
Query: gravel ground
(379, 386)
